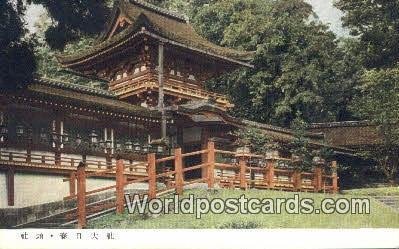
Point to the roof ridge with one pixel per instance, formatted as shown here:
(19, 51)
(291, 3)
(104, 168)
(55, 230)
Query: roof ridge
(160, 10)
(73, 86)
(340, 124)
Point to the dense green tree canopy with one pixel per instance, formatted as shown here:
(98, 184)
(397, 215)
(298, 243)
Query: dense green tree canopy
(17, 62)
(379, 104)
(376, 24)
(73, 18)
(299, 66)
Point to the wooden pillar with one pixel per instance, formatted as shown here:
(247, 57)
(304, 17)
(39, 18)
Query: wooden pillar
(120, 185)
(334, 177)
(179, 180)
(317, 179)
(57, 149)
(211, 164)
(179, 136)
(297, 180)
(72, 184)
(204, 146)
(81, 195)
(270, 174)
(161, 104)
(152, 180)
(10, 186)
(243, 170)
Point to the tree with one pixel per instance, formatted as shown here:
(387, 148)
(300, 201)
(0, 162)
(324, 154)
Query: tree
(299, 65)
(379, 104)
(17, 61)
(73, 18)
(376, 24)
(256, 140)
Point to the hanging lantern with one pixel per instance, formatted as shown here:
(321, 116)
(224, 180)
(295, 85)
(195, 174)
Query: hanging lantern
(65, 138)
(3, 133)
(102, 144)
(108, 144)
(152, 149)
(55, 136)
(136, 147)
(20, 131)
(160, 149)
(43, 135)
(129, 146)
(146, 148)
(78, 140)
(118, 147)
(29, 134)
(318, 161)
(93, 137)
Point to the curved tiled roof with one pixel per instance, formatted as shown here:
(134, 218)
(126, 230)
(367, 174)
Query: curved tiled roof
(162, 24)
(87, 96)
(75, 87)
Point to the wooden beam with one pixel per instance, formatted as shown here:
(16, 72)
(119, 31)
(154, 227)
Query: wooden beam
(161, 97)
(120, 184)
(179, 179)
(204, 145)
(10, 186)
(243, 170)
(334, 177)
(211, 164)
(81, 196)
(152, 181)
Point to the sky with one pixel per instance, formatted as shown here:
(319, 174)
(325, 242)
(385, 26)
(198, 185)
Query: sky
(329, 14)
(323, 8)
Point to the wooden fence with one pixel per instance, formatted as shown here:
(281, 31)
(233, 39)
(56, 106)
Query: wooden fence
(239, 173)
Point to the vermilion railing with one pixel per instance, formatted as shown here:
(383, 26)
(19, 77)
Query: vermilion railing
(237, 174)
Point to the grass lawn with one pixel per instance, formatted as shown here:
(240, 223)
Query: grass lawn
(387, 191)
(380, 216)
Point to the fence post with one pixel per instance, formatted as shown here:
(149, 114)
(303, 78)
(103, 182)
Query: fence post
(334, 177)
(317, 178)
(270, 175)
(243, 170)
(152, 180)
(81, 195)
(10, 185)
(120, 184)
(72, 184)
(211, 164)
(29, 154)
(297, 180)
(179, 180)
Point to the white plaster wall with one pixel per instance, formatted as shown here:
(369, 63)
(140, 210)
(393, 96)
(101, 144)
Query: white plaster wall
(33, 189)
(3, 190)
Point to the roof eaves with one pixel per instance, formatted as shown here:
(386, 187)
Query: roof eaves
(165, 40)
(159, 10)
(75, 87)
(340, 124)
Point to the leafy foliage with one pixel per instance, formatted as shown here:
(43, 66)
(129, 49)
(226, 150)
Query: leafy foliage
(17, 62)
(72, 19)
(299, 65)
(376, 23)
(256, 139)
(48, 66)
(379, 103)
